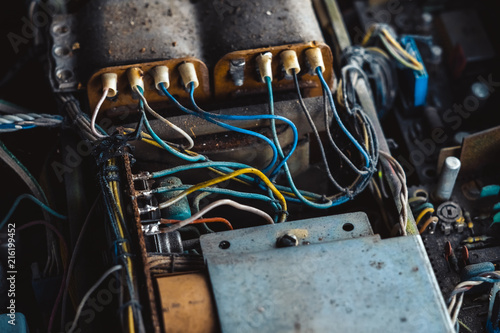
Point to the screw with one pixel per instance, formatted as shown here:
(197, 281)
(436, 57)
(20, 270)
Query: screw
(224, 245)
(287, 240)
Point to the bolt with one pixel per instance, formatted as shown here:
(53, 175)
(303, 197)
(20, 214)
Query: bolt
(287, 240)
(436, 54)
(237, 71)
(224, 245)
(480, 90)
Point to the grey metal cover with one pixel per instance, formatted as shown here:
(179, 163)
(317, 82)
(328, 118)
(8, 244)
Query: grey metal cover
(360, 284)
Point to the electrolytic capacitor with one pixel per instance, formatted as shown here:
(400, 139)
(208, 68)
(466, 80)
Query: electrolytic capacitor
(447, 179)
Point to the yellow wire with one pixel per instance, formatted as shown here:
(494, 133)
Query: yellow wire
(427, 223)
(119, 216)
(368, 35)
(365, 133)
(378, 50)
(154, 143)
(416, 198)
(412, 59)
(387, 35)
(422, 214)
(232, 175)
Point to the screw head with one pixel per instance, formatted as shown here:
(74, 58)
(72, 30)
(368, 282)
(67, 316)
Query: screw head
(287, 240)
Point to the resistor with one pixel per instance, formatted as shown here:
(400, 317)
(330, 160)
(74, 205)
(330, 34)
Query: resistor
(476, 239)
(469, 222)
(475, 246)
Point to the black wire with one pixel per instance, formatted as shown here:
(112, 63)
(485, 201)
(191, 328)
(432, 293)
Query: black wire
(73, 258)
(136, 135)
(332, 141)
(361, 181)
(315, 131)
(110, 201)
(364, 175)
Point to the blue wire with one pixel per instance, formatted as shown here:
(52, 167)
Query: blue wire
(170, 149)
(339, 121)
(485, 279)
(14, 127)
(218, 190)
(272, 117)
(281, 188)
(210, 164)
(289, 177)
(224, 125)
(163, 144)
(35, 200)
(299, 194)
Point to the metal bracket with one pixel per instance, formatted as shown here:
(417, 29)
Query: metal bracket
(63, 54)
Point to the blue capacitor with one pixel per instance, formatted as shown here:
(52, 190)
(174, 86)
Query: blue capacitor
(417, 80)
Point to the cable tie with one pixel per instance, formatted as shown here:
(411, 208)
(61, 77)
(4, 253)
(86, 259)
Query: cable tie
(133, 302)
(281, 211)
(127, 255)
(120, 241)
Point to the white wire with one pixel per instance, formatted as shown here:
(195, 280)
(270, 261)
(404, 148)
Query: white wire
(468, 283)
(454, 307)
(457, 309)
(218, 203)
(165, 121)
(96, 112)
(89, 292)
(403, 220)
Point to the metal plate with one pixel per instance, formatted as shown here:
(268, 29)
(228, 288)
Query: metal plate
(478, 148)
(310, 231)
(353, 285)
(63, 76)
(224, 86)
(181, 297)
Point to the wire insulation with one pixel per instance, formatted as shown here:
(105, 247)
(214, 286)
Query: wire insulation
(89, 293)
(96, 112)
(218, 203)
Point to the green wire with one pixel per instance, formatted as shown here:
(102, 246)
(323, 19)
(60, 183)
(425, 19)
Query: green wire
(35, 200)
(34, 183)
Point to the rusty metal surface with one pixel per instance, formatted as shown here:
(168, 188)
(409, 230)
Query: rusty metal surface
(225, 87)
(142, 247)
(117, 32)
(479, 150)
(233, 25)
(124, 100)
